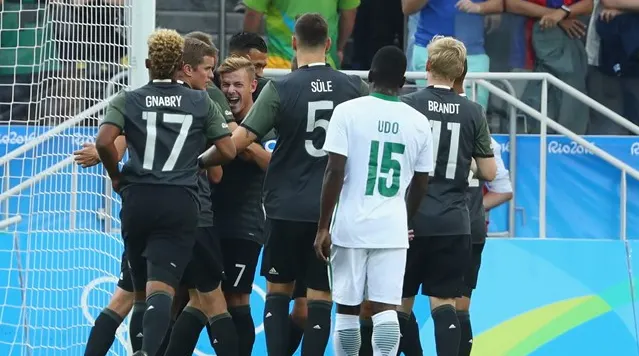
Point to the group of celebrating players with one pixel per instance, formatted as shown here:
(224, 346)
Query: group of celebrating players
(352, 169)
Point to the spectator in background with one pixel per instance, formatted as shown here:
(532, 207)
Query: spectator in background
(280, 20)
(613, 54)
(379, 23)
(553, 37)
(463, 19)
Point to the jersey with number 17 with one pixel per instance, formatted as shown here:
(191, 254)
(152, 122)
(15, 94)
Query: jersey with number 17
(385, 142)
(166, 126)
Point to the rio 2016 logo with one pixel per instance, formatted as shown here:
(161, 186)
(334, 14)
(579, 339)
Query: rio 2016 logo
(122, 333)
(570, 148)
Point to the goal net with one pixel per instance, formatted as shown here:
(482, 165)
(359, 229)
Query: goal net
(59, 230)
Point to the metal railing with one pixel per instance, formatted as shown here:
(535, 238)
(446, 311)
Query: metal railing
(480, 78)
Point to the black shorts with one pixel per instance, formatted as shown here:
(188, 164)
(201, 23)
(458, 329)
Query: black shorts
(472, 271)
(300, 289)
(240, 263)
(158, 228)
(205, 271)
(437, 264)
(289, 255)
(125, 282)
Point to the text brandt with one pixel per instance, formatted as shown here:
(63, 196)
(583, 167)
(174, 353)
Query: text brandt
(443, 108)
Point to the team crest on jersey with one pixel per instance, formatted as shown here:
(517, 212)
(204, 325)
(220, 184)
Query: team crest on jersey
(269, 145)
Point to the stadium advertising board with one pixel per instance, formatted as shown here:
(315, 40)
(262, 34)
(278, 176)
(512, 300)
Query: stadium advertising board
(540, 297)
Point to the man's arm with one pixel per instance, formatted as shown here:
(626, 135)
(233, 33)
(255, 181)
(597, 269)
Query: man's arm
(347, 15)
(331, 188)
(525, 8)
(410, 7)
(258, 155)
(483, 151)
(217, 131)
(111, 127)
(500, 190)
(423, 167)
(260, 120)
(416, 192)
(628, 5)
(253, 14)
(491, 7)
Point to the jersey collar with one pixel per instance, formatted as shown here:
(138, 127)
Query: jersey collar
(385, 97)
(317, 64)
(462, 94)
(441, 87)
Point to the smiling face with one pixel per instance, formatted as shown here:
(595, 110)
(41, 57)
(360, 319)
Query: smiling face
(259, 61)
(238, 87)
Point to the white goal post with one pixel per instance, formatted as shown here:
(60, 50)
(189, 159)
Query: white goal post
(58, 258)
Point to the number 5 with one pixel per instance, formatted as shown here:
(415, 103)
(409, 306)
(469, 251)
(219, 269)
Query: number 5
(312, 122)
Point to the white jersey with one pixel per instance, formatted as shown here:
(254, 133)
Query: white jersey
(501, 183)
(385, 142)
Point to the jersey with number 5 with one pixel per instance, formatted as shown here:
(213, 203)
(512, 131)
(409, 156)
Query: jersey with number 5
(460, 132)
(385, 142)
(299, 106)
(166, 126)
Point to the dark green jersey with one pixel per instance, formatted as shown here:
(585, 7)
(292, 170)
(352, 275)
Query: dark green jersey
(298, 106)
(218, 98)
(261, 83)
(460, 132)
(477, 213)
(238, 198)
(166, 126)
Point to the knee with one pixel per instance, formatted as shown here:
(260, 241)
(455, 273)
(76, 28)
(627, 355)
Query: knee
(237, 299)
(462, 304)
(438, 302)
(314, 294)
(366, 310)
(300, 311)
(122, 302)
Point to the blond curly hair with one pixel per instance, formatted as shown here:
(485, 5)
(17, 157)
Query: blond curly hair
(446, 56)
(165, 53)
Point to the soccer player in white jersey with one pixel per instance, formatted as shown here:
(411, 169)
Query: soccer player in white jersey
(376, 147)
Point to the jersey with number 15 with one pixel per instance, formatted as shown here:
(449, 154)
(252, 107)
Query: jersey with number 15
(299, 106)
(166, 125)
(385, 142)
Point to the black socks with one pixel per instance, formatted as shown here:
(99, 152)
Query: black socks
(103, 333)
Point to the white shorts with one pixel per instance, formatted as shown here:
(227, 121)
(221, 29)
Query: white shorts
(372, 274)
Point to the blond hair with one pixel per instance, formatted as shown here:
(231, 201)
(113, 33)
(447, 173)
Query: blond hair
(165, 53)
(235, 63)
(446, 56)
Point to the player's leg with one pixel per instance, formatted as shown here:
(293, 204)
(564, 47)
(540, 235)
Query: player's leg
(366, 328)
(240, 264)
(463, 304)
(443, 283)
(384, 278)
(171, 220)
(280, 267)
(320, 304)
(348, 268)
(410, 344)
(298, 316)
(180, 300)
(106, 324)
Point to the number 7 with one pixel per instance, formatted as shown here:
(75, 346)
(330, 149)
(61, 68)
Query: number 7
(240, 274)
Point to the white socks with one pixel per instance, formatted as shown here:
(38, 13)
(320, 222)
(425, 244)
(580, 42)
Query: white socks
(385, 333)
(346, 337)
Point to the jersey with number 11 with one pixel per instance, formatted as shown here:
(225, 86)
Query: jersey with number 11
(385, 142)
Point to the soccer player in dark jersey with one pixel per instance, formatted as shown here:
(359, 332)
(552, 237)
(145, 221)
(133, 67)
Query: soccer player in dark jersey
(202, 60)
(237, 199)
(440, 252)
(205, 271)
(299, 106)
(482, 196)
(165, 125)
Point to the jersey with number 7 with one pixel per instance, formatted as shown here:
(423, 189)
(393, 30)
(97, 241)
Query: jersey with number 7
(166, 126)
(460, 132)
(299, 106)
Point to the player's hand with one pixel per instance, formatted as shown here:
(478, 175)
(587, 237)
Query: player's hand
(411, 235)
(552, 19)
(87, 156)
(468, 6)
(322, 244)
(608, 14)
(573, 27)
(115, 183)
